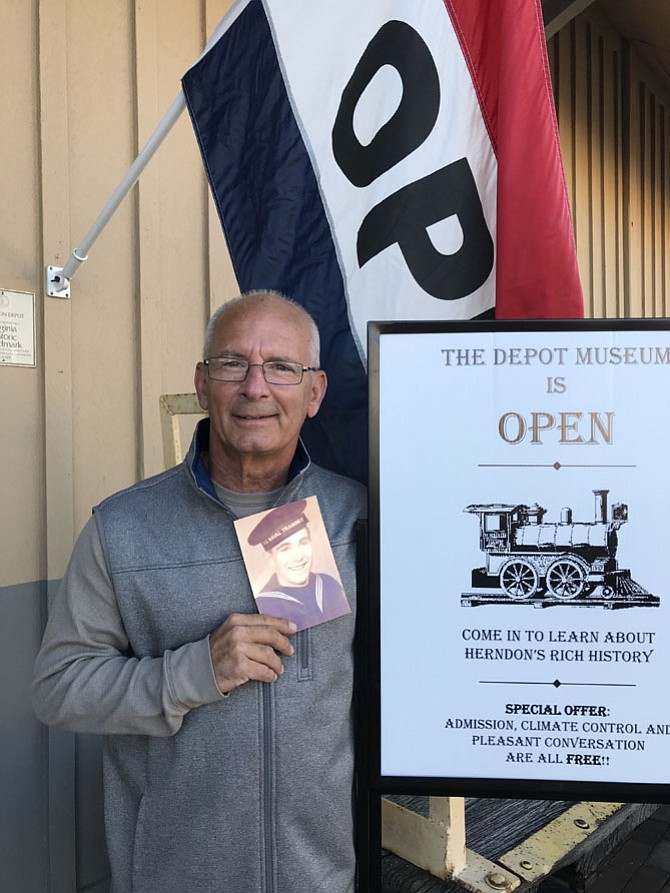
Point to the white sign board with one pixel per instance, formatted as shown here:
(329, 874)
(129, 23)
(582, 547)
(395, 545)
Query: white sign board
(17, 328)
(522, 487)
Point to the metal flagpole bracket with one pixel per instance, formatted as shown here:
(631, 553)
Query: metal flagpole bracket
(58, 278)
(56, 285)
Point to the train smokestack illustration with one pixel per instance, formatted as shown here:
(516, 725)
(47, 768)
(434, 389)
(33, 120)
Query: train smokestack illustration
(601, 505)
(548, 563)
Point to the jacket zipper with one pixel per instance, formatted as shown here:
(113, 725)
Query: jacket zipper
(268, 789)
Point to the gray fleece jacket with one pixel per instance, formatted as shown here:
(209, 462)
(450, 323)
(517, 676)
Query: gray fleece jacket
(248, 793)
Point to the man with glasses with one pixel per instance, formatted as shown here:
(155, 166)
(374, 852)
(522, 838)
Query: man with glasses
(228, 744)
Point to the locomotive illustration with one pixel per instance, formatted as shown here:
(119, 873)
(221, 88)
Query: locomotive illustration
(564, 561)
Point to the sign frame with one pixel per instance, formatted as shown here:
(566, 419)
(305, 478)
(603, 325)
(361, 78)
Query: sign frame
(458, 777)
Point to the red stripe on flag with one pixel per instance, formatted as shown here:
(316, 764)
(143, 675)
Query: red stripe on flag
(536, 262)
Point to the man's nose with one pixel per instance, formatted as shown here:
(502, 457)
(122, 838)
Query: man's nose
(255, 382)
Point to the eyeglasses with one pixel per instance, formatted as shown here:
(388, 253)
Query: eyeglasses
(277, 372)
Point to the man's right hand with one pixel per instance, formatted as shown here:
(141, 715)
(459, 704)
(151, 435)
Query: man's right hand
(247, 646)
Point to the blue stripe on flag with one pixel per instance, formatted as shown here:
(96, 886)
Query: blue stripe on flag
(271, 210)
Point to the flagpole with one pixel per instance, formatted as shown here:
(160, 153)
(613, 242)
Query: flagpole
(58, 278)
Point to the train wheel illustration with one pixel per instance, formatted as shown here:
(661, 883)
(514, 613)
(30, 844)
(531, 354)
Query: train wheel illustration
(518, 579)
(566, 578)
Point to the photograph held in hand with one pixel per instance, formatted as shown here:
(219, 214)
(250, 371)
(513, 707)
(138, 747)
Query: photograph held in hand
(290, 564)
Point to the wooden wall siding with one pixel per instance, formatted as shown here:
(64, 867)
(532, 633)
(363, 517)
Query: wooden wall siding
(650, 199)
(653, 128)
(615, 135)
(133, 327)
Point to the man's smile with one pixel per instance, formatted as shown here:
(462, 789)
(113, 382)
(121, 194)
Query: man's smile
(299, 565)
(250, 417)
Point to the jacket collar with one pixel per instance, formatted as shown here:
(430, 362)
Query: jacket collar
(200, 476)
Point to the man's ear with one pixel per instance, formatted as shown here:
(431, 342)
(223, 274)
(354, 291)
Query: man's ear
(318, 392)
(200, 380)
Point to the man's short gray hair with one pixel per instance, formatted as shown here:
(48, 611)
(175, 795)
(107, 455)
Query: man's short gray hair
(314, 345)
